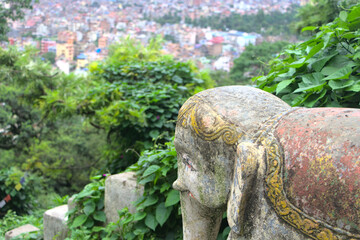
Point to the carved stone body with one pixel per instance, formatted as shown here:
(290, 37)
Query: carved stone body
(281, 172)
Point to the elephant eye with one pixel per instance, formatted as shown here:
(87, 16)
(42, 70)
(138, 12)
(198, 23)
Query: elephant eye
(186, 160)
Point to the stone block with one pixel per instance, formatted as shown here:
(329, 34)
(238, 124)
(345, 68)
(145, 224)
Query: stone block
(71, 203)
(20, 230)
(55, 223)
(121, 190)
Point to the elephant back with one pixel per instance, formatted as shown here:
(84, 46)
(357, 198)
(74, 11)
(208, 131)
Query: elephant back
(321, 164)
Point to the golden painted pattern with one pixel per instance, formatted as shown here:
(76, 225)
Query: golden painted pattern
(190, 113)
(315, 229)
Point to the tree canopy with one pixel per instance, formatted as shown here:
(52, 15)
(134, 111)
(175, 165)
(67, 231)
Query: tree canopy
(253, 61)
(273, 23)
(24, 79)
(12, 10)
(133, 96)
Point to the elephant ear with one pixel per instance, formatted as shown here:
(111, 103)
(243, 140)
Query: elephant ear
(249, 156)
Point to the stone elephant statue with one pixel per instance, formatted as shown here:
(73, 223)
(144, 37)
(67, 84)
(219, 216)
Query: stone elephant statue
(279, 172)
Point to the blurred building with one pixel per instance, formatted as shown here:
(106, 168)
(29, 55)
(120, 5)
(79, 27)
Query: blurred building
(81, 61)
(103, 41)
(46, 44)
(65, 49)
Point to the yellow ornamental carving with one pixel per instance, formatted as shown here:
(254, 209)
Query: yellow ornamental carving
(313, 228)
(198, 118)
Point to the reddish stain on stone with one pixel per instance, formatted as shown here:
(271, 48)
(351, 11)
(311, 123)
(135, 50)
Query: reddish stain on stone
(322, 163)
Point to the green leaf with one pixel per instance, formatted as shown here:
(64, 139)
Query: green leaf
(319, 64)
(312, 78)
(151, 200)
(354, 14)
(343, 16)
(100, 216)
(312, 88)
(139, 215)
(154, 134)
(79, 220)
(150, 170)
(97, 229)
(84, 193)
(357, 56)
(270, 89)
(282, 85)
(89, 207)
(311, 83)
(300, 99)
(315, 50)
(150, 221)
(354, 88)
(162, 213)
(337, 63)
(147, 179)
(342, 73)
(172, 198)
(340, 84)
(165, 187)
(297, 64)
(89, 223)
(315, 98)
(13, 193)
(127, 219)
(309, 28)
(177, 79)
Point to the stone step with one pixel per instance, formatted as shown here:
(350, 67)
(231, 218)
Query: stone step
(55, 223)
(28, 228)
(120, 191)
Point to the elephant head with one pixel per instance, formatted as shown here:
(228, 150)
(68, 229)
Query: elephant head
(246, 151)
(209, 128)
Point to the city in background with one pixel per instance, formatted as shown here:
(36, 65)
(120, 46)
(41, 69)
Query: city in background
(71, 34)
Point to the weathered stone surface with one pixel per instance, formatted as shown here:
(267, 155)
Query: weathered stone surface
(71, 203)
(281, 172)
(55, 223)
(322, 163)
(120, 191)
(20, 230)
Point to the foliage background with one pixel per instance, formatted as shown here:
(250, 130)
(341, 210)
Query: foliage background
(322, 71)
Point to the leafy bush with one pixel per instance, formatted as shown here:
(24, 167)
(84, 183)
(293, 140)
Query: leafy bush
(67, 156)
(322, 71)
(320, 12)
(88, 216)
(158, 210)
(134, 97)
(23, 189)
(11, 220)
(136, 102)
(24, 82)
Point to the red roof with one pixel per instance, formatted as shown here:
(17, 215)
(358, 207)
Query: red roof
(30, 23)
(217, 40)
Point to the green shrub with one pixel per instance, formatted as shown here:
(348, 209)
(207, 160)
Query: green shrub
(88, 216)
(23, 189)
(158, 210)
(11, 220)
(322, 71)
(136, 103)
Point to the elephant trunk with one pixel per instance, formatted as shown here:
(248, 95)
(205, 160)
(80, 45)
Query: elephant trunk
(199, 222)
